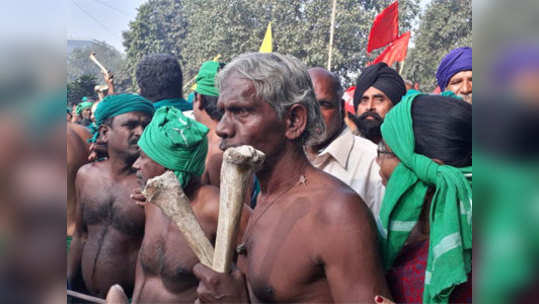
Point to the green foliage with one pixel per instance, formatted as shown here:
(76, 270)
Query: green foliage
(82, 86)
(445, 25)
(160, 27)
(79, 63)
(198, 30)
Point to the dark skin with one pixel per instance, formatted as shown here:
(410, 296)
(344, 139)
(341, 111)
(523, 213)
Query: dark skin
(109, 226)
(311, 238)
(331, 105)
(165, 261)
(77, 155)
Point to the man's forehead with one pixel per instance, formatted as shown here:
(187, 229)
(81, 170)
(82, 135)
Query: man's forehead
(137, 115)
(372, 91)
(462, 74)
(237, 89)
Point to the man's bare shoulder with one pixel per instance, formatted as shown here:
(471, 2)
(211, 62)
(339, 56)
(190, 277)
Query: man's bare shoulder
(91, 171)
(206, 201)
(337, 203)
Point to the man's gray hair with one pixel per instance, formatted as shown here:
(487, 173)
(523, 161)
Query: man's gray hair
(281, 81)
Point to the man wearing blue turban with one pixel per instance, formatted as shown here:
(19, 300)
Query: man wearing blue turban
(455, 73)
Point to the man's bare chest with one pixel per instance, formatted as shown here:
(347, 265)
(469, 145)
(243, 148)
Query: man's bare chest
(280, 257)
(111, 205)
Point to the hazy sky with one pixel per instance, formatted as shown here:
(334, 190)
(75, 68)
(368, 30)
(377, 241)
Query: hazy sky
(105, 20)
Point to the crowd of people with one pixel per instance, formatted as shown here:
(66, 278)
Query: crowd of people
(368, 205)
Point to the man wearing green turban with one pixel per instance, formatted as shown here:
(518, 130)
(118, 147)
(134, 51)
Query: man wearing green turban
(84, 111)
(109, 225)
(178, 143)
(205, 111)
(426, 214)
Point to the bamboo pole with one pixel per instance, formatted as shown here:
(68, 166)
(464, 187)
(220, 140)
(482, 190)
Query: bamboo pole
(331, 31)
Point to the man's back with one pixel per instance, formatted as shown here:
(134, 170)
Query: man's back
(313, 243)
(111, 227)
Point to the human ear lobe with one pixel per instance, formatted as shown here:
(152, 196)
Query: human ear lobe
(104, 133)
(296, 121)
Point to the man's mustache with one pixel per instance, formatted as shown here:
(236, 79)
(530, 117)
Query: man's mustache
(370, 114)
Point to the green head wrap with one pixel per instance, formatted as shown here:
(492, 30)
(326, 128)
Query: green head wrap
(176, 142)
(83, 105)
(205, 80)
(450, 218)
(114, 105)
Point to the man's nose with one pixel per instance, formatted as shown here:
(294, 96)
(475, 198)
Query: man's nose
(224, 127)
(466, 87)
(370, 105)
(138, 130)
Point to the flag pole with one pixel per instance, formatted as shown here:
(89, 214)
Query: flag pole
(331, 34)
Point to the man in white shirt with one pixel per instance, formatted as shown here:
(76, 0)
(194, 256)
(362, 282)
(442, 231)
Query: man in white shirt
(350, 158)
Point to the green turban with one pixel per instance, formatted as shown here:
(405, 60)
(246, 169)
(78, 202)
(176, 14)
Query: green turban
(176, 142)
(205, 80)
(114, 105)
(450, 218)
(83, 105)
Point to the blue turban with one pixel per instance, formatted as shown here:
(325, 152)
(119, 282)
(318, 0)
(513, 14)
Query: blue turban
(114, 105)
(457, 60)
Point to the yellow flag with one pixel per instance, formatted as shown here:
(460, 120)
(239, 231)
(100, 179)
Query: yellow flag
(266, 46)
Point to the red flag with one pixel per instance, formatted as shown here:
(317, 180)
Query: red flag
(395, 51)
(348, 97)
(385, 28)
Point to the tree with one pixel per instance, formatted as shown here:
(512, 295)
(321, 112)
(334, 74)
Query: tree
(160, 27)
(198, 30)
(445, 25)
(79, 64)
(81, 87)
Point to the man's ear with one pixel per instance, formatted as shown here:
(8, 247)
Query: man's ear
(104, 132)
(198, 99)
(296, 121)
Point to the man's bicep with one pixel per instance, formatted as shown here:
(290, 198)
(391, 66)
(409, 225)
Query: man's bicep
(352, 261)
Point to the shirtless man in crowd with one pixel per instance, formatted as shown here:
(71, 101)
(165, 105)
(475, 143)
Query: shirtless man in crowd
(165, 262)
(109, 225)
(310, 238)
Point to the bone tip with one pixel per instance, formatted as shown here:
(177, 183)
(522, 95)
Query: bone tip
(244, 155)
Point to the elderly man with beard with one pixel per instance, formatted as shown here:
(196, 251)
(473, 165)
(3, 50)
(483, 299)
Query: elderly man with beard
(378, 89)
(350, 158)
(455, 73)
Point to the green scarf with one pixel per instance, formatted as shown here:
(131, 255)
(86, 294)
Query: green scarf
(176, 142)
(83, 105)
(178, 103)
(450, 218)
(205, 80)
(114, 105)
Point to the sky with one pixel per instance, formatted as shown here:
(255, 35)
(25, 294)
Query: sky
(102, 20)
(105, 20)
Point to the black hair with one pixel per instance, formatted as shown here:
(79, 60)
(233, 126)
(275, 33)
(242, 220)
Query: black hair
(443, 129)
(209, 104)
(159, 77)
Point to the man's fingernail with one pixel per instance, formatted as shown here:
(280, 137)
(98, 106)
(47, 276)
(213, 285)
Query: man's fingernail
(378, 299)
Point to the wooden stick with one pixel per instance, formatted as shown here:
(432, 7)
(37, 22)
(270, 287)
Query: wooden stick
(166, 192)
(238, 165)
(85, 297)
(101, 67)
